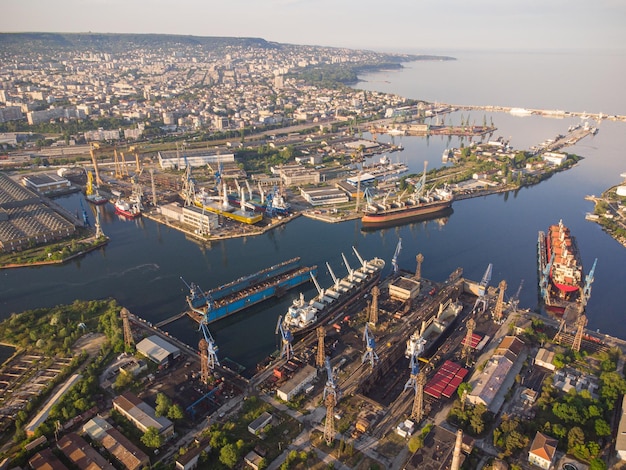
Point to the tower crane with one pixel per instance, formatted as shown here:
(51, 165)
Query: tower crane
(482, 299)
(394, 260)
(370, 347)
(588, 281)
(286, 338)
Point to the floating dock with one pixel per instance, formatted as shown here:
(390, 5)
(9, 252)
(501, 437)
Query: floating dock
(247, 291)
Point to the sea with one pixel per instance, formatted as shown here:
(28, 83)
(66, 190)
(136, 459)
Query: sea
(143, 264)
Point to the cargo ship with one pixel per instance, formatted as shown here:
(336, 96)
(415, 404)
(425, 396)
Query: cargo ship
(246, 291)
(432, 331)
(561, 279)
(416, 206)
(302, 317)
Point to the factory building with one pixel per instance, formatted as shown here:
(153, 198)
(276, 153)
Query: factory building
(190, 215)
(322, 196)
(81, 454)
(195, 158)
(46, 183)
(256, 426)
(142, 415)
(26, 220)
(404, 288)
(298, 382)
(116, 444)
(158, 350)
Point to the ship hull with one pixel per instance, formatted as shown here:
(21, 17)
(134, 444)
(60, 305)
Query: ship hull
(97, 200)
(405, 214)
(126, 213)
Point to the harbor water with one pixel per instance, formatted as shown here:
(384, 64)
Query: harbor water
(142, 265)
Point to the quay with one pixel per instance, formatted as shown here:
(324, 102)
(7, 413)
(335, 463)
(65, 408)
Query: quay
(551, 113)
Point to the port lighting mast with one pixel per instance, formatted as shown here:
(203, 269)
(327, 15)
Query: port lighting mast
(331, 398)
(129, 341)
(420, 259)
(321, 354)
(497, 310)
(374, 306)
(482, 299)
(370, 346)
(286, 350)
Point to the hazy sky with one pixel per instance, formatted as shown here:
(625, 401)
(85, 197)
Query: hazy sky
(391, 25)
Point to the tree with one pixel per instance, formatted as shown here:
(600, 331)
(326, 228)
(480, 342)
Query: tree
(163, 404)
(575, 437)
(597, 464)
(415, 443)
(465, 387)
(602, 428)
(228, 455)
(151, 438)
(175, 412)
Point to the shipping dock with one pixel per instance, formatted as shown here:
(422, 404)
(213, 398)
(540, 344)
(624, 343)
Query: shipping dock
(246, 291)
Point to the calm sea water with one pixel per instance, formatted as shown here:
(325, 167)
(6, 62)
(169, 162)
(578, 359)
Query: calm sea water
(142, 265)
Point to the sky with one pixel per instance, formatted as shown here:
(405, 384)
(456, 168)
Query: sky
(413, 26)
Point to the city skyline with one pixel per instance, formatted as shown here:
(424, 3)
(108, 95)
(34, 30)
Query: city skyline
(399, 26)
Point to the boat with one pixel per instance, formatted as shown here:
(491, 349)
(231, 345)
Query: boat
(223, 208)
(302, 317)
(418, 204)
(127, 209)
(432, 331)
(246, 291)
(96, 199)
(561, 279)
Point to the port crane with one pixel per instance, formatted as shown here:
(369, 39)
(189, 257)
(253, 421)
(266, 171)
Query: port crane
(85, 216)
(482, 299)
(286, 350)
(196, 299)
(394, 260)
(514, 301)
(370, 347)
(414, 349)
(544, 280)
(589, 278)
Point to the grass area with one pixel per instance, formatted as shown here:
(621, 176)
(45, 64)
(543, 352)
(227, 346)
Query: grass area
(83, 241)
(344, 452)
(391, 445)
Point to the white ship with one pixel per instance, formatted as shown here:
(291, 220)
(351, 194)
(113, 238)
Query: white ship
(303, 316)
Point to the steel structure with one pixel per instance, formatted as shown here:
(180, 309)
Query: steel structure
(589, 278)
(467, 342)
(581, 323)
(374, 306)
(497, 310)
(129, 341)
(331, 398)
(321, 354)
(417, 413)
(418, 272)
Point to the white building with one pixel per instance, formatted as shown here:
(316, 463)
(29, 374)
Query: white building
(157, 349)
(542, 451)
(298, 382)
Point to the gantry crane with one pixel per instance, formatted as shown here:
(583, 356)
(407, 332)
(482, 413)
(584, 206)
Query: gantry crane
(286, 350)
(331, 398)
(370, 347)
(212, 348)
(482, 299)
(394, 260)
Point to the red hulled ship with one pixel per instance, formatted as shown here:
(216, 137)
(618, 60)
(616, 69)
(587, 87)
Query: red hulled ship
(566, 273)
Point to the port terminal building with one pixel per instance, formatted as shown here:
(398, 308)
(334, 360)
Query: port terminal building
(298, 382)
